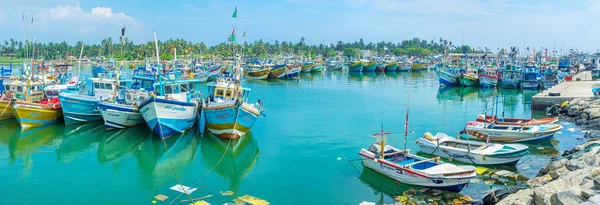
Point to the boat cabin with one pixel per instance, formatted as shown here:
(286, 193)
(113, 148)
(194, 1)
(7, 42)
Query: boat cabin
(19, 90)
(180, 90)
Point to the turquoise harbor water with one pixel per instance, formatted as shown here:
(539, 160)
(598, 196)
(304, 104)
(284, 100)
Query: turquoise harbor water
(290, 156)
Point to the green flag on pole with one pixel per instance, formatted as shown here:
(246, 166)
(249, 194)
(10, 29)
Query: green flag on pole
(234, 15)
(232, 35)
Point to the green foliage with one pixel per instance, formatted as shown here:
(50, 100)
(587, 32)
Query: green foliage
(111, 48)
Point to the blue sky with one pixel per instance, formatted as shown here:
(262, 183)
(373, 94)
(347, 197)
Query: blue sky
(482, 23)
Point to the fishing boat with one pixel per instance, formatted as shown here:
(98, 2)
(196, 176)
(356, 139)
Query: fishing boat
(411, 169)
(595, 92)
(488, 78)
(449, 76)
(174, 107)
(278, 71)
(317, 67)
(356, 66)
(307, 67)
(472, 152)
(82, 107)
(511, 79)
(258, 71)
(531, 78)
(37, 113)
(122, 113)
(380, 66)
(334, 65)
(370, 66)
(292, 71)
(418, 66)
(227, 112)
(391, 66)
(470, 78)
(404, 66)
(516, 121)
(506, 133)
(549, 79)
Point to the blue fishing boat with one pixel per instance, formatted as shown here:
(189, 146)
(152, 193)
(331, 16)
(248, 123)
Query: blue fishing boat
(356, 66)
(449, 76)
(511, 79)
(81, 107)
(549, 79)
(531, 78)
(122, 113)
(596, 92)
(227, 112)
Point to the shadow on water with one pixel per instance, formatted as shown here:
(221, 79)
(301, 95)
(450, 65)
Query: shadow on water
(237, 161)
(386, 189)
(116, 143)
(154, 161)
(355, 76)
(78, 139)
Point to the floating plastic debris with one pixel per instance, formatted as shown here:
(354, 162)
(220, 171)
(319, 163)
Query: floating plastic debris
(466, 198)
(181, 188)
(410, 192)
(201, 202)
(540, 148)
(153, 201)
(226, 193)
(565, 123)
(558, 132)
(503, 173)
(161, 197)
(571, 129)
(253, 200)
(366, 203)
(339, 158)
(489, 181)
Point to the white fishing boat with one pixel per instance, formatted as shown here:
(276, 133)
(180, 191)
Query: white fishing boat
(503, 133)
(472, 152)
(411, 169)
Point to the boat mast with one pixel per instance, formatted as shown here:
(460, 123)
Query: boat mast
(406, 121)
(159, 73)
(120, 66)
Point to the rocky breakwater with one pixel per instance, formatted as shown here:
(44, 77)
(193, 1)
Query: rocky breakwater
(585, 113)
(573, 178)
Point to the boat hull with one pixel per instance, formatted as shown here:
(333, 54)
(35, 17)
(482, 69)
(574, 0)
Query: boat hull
(278, 72)
(317, 68)
(510, 84)
(306, 68)
(292, 71)
(448, 79)
(526, 85)
(6, 110)
(391, 67)
(257, 75)
(34, 116)
(408, 176)
(370, 67)
(403, 68)
(117, 116)
(79, 108)
(507, 155)
(466, 80)
(225, 121)
(168, 117)
(495, 135)
(356, 67)
(488, 81)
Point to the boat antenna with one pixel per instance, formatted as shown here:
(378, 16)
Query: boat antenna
(406, 121)
(79, 61)
(159, 73)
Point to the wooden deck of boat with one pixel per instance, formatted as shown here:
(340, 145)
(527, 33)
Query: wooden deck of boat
(579, 87)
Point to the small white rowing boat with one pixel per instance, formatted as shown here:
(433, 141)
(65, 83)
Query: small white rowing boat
(473, 152)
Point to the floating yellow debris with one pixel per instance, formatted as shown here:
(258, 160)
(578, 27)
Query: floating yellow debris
(226, 193)
(161, 197)
(410, 192)
(489, 181)
(253, 200)
(201, 202)
(466, 198)
(481, 170)
(401, 198)
(564, 104)
(153, 201)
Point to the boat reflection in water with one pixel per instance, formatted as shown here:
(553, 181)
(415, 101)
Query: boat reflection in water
(237, 162)
(24, 143)
(154, 161)
(79, 138)
(117, 143)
